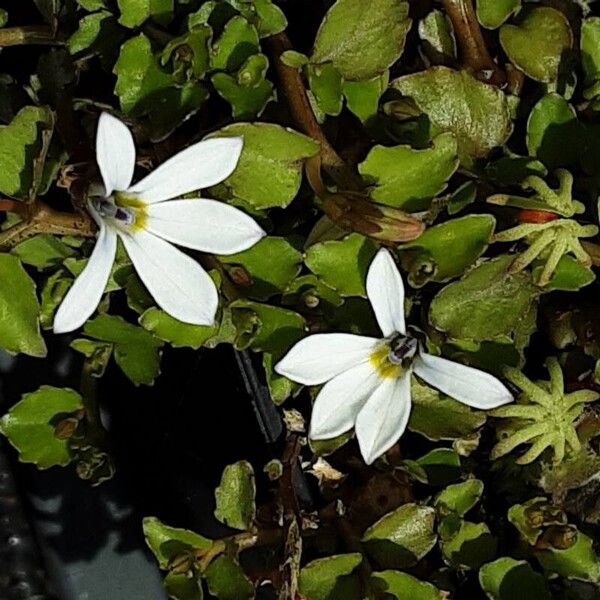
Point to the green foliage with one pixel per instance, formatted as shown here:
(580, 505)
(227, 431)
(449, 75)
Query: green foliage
(330, 578)
(492, 13)
(235, 496)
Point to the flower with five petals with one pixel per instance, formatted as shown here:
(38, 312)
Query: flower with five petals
(150, 216)
(367, 380)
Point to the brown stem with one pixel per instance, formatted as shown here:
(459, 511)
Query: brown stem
(40, 218)
(29, 34)
(473, 50)
(593, 250)
(295, 93)
(14, 206)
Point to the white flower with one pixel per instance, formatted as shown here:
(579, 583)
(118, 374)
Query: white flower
(147, 226)
(367, 380)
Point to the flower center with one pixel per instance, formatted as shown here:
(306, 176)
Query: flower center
(395, 355)
(126, 211)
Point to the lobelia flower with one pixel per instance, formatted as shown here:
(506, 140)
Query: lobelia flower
(367, 380)
(148, 225)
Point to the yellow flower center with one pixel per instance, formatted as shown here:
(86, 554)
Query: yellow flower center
(394, 356)
(126, 211)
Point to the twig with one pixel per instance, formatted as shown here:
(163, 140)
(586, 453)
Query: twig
(473, 50)
(40, 218)
(295, 93)
(28, 34)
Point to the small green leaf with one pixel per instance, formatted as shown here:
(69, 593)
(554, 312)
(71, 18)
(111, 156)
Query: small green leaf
(135, 12)
(477, 113)
(486, 304)
(446, 250)
(270, 168)
(569, 276)
(226, 580)
(53, 291)
(237, 43)
(362, 97)
(293, 59)
(19, 310)
(342, 264)
(537, 43)
(439, 417)
(326, 84)
(178, 334)
(97, 353)
(42, 251)
(181, 586)
(590, 49)
(507, 579)
(438, 36)
(167, 542)
(408, 178)
(30, 425)
(20, 144)
(459, 498)
(362, 39)
(331, 578)
(271, 19)
(235, 496)
(403, 586)
(271, 265)
(98, 33)
(136, 350)
(493, 13)
(468, 547)
(554, 135)
(403, 537)
(441, 466)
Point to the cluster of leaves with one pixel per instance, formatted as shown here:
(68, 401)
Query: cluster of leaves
(481, 120)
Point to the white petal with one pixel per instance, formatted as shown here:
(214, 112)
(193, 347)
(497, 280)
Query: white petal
(320, 357)
(85, 293)
(115, 153)
(204, 164)
(337, 405)
(180, 286)
(385, 290)
(205, 225)
(466, 384)
(383, 419)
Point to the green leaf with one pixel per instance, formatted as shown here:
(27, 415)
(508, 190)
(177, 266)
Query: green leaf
(577, 562)
(178, 334)
(470, 546)
(438, 36)
(493, 13)
(19, 310)
(590, 49)
(439, 417)
(270, 168)
(408, 178)
(362, 39)
(271, 265)
(326, 84)
(402, 537)
(513, 169)
(53, 292)
(569, 276)
(461, 197)
(226, 580)
(459, 498)
(507, 578)
(554, 135)
(342, 264)
(477, 113)
(331, 578)
(181, 586)
(97, 353)
(30, 425)
(440, 466)
(486, 304)
(167, 542)
(99, 33)
(136, 350)
(135, 12)
(265, 328)
(145, 90)
(236, 44)
(362, 97)
(42, 251)
(403, 586)
(444, 251)
(235, 496)
(537, 43)
(20, 144)
(248, 92)
(294, 59)
(188, 54)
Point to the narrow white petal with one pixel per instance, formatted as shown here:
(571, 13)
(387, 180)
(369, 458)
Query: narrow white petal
(115, 153)
(385, 290)
(180, 286)
(383, 418)
(204, 164)
(205, 225)
(466, 384)
(85, 293)
(337, 405)
(320, 357)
